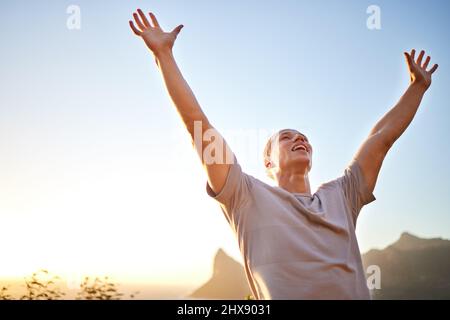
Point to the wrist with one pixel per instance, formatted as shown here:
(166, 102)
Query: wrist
(420, 86)
(163, 53)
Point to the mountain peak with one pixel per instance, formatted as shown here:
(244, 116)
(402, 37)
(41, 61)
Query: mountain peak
(408, 241)
(227, 282)
(220, 254)
(408, 235)
(412, 268)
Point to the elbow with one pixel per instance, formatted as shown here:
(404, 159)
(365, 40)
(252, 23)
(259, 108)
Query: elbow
(197, 125)
(384, 139)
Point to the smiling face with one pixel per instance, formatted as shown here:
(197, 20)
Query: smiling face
(288, 150)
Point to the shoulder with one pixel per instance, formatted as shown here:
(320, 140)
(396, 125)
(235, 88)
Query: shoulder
(330, 185)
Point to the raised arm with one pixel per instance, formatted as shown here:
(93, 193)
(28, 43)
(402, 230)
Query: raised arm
(371, 154)
(161, 43)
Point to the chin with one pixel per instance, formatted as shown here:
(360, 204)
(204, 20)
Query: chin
(304, 162)
(303, 158)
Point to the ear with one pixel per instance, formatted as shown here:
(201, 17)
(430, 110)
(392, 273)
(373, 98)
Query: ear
(268, 164)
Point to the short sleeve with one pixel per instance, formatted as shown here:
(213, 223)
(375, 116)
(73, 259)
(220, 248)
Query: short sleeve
(356, 191)
(234, 194)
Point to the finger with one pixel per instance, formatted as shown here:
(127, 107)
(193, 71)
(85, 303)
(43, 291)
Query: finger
(413, 54)
(419, 59)
(408, 59)
(154, 20)
(427, 61)
(177, 30)
(135, 30)
(144, 18)
(433, 69)
(138, 21)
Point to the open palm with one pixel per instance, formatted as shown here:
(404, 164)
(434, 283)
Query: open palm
(418, 71)
(154, 37)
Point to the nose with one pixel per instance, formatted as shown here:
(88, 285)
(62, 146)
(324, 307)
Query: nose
(303, 139)
(297, 137)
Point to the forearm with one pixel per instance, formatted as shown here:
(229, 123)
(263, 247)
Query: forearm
(179, 91)
(395, 122)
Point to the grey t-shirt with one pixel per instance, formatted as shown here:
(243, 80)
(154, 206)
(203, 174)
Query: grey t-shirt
(298, 246)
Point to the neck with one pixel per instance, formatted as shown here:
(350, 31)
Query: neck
(294, 182)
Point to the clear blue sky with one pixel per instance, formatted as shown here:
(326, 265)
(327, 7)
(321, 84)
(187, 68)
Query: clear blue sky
(91, 147)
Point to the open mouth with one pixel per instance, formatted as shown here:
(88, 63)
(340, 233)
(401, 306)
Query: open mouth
(299, 147)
